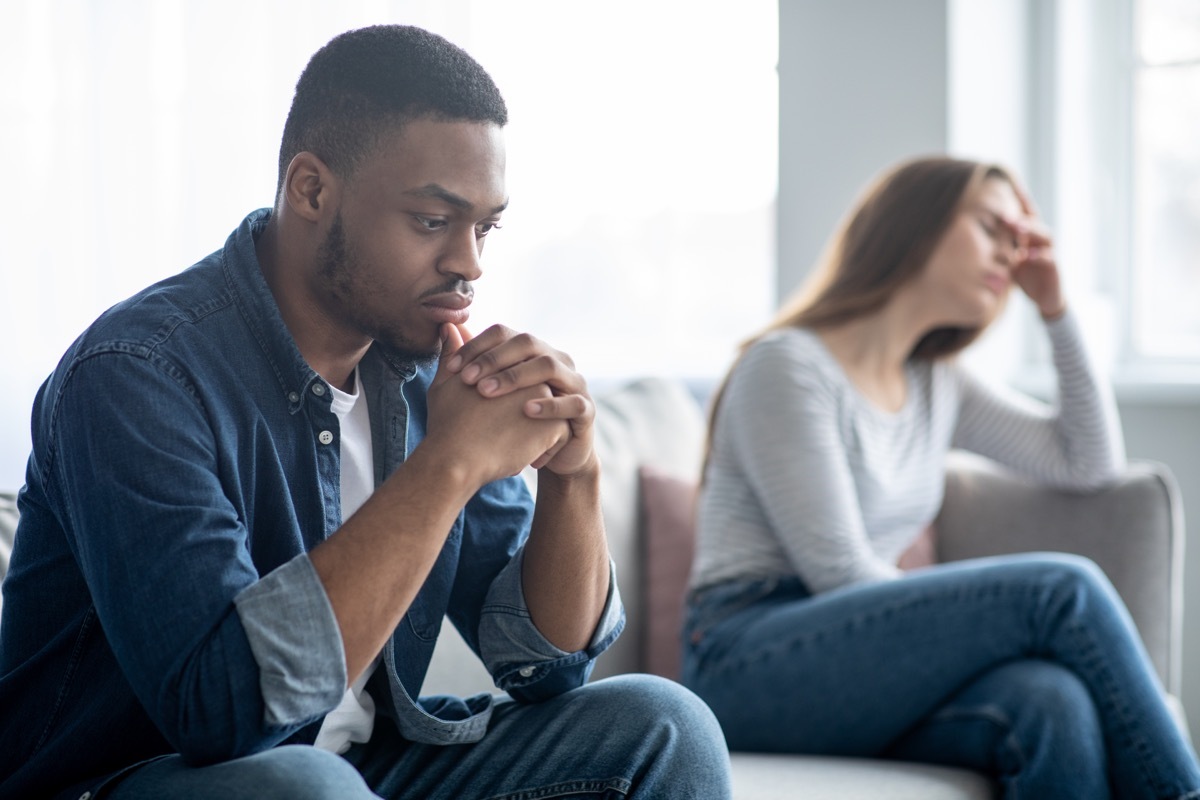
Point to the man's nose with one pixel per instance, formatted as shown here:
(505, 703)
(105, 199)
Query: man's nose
(462, 257)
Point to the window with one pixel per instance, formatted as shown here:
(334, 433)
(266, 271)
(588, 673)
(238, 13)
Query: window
(641, 151)
(1120, 146)
(1165, 274)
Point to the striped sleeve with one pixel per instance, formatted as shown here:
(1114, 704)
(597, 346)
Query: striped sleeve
(1076, 443)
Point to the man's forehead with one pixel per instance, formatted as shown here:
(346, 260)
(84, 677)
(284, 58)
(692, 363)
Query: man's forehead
(458, 162)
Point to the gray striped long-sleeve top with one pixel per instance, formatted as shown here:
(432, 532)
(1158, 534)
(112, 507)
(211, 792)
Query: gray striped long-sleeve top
(806, 477)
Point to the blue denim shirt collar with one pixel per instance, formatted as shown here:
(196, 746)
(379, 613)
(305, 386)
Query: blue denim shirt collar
(258, 308)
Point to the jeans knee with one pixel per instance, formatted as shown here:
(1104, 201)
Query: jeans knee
(303, 772)
(1057, 714)
(1054, 691)
(1079, 572)
(670, 732)
(1080, 584)
(661, 707)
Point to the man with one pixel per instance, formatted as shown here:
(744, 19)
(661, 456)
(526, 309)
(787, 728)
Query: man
(257, 487)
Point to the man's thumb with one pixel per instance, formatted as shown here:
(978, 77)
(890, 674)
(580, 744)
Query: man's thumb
(452, 340)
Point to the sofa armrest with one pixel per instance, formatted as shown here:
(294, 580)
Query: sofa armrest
(1133, 530)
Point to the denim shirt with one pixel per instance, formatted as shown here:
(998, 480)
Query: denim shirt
(160, 597)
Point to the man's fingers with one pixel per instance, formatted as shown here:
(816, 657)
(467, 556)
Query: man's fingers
(452, 342)
(476, 346)
(543, 368)
(452, 359)
(573, 407)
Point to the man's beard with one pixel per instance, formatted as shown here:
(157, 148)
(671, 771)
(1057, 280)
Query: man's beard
(340, 271)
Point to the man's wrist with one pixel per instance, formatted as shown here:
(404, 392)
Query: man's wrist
(584, 478)
(448, 476)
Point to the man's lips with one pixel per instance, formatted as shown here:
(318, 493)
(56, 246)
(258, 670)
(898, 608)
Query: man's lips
(448, 307)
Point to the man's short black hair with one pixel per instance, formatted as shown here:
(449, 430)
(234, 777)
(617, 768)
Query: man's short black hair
(365, 83)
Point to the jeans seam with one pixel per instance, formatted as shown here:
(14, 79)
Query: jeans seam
(1113, 698)
(573, 788)
(1000, 720)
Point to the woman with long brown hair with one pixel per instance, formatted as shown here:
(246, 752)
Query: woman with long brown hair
(826, 461)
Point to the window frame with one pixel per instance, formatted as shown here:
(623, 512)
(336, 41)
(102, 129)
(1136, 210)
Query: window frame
(1104, 32)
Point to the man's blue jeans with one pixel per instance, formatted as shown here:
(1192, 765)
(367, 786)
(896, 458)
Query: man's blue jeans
(1026, 668)
(632, 736)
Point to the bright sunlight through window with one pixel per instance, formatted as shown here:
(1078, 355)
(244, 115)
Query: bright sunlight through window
(642, 165)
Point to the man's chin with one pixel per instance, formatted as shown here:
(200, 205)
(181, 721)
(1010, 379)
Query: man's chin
(408, 354)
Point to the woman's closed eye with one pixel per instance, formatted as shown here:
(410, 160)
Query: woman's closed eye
(999, 231)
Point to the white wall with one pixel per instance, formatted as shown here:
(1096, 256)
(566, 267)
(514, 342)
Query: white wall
(1168, 430)
(864, 83)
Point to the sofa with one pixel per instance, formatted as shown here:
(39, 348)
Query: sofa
(649, 437)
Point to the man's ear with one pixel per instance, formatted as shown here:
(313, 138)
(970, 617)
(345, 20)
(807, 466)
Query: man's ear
(309, 186)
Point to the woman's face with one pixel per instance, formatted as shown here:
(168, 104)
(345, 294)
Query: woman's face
(968, 275)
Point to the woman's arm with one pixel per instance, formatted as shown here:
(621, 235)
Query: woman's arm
(1075, 444)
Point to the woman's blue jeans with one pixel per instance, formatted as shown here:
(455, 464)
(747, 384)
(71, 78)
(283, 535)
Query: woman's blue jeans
(633, 736)
(1026, 668)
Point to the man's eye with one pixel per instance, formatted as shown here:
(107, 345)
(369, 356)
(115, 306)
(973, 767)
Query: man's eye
(484, 228)
(431, 224)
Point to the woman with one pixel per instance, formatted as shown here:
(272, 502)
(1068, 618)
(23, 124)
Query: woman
(826, 461)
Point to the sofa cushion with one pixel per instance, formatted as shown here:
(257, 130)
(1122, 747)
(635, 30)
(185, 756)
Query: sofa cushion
(648, 422)
(768, 776)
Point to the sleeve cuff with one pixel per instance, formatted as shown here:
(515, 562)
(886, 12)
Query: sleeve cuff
(296, 642)
(514, 651)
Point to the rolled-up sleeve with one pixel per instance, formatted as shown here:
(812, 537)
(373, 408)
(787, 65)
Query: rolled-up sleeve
(296, 641)
(521, 660)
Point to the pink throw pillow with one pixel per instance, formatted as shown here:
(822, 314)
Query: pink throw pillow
(668, 523)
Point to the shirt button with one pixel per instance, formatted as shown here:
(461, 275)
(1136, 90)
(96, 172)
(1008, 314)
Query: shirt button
(324, 437)
(319, 389)
(525, 672)
(293, 397)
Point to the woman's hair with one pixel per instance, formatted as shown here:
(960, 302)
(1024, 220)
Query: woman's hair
(885, 242)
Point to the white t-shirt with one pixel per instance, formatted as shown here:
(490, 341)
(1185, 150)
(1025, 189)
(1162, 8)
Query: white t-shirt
(354, 718)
